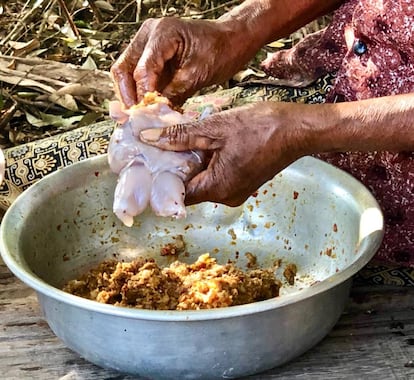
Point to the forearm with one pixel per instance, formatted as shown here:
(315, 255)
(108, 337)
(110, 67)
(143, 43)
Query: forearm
(368, 125)
(262, 21)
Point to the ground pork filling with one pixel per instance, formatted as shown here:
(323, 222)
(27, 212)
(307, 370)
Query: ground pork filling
(205, 284)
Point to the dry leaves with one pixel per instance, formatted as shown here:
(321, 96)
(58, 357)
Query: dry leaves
(55, 56)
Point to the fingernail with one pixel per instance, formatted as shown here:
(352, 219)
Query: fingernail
(151, 135)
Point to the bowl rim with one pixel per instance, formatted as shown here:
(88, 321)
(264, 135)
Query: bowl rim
(23, 272)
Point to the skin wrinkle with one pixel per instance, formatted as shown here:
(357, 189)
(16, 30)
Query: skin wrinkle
(178, 90)
(158, 63)
(178, 136)
(195, 69)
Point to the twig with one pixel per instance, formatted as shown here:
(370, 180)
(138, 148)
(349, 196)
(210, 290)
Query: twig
(69, 18)
(49, 10)
(138, 13)
(165, 9)
(23, 82)
(8, 114)
(117, 16)
(218, 7)
(96, 11)
(39, 105)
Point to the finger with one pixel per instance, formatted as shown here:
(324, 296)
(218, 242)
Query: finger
(147, 72)
(180, 137)
(151, 72)
(125, 87)
(197, 189)
(205, 187)
(123, 69)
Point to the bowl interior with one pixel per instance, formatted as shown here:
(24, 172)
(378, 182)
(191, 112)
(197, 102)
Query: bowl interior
(311, 214)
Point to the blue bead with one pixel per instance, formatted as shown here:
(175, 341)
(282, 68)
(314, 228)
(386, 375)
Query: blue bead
(359, 47)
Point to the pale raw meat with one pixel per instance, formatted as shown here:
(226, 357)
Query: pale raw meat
(148, 175)
(133, 192)
(167, 195)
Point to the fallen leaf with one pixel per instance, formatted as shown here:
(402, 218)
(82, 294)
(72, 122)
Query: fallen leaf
(75, 89)
(22, 48)
(7, 77)
(248, 73)
(66, 101)
(89, 118)
(104, 5)
(89, 64)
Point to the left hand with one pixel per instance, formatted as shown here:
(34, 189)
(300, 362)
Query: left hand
(177, 57)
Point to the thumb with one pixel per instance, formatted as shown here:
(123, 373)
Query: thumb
(179, 137)
(213, 185)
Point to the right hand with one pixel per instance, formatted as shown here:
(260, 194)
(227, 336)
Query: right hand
(177, 57)
(248, 146)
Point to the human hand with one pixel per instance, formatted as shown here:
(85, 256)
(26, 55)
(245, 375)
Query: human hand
(177, 57)
(248, 145)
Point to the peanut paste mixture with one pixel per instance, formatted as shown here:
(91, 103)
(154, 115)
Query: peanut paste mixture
(202, 285)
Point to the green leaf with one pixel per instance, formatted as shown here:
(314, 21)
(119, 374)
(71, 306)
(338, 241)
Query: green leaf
(52, 120)
(89, 118)
(82, 24)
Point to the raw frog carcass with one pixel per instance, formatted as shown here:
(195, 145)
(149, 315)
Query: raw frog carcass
(148, 175)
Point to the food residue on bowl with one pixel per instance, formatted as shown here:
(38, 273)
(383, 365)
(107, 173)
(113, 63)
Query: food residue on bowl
(174, 248)
(289, 273)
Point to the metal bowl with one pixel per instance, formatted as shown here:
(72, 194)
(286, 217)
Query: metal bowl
(311, 214)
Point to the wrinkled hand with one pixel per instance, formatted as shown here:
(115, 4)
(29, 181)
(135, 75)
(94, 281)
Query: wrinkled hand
(177, 57)
(249, 146)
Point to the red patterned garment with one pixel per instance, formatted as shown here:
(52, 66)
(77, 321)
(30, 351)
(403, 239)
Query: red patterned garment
(370, 45)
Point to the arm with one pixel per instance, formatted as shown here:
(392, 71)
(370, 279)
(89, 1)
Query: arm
(368, 125)
(256, 142)
(255, 23)
(264, 21)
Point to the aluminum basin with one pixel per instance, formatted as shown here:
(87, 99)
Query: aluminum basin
(311, 214)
